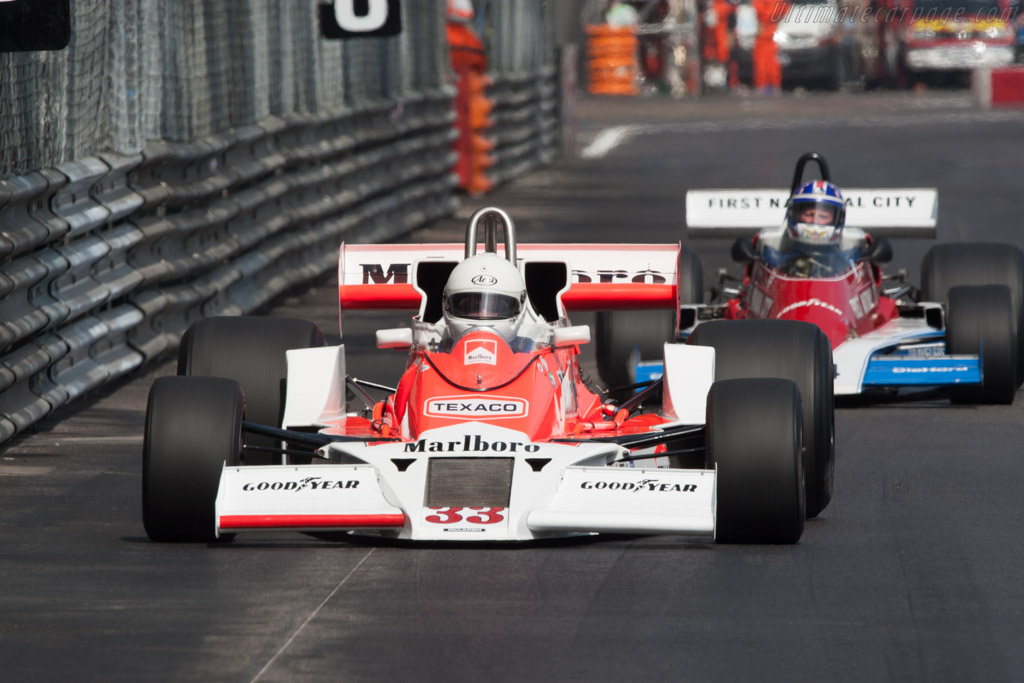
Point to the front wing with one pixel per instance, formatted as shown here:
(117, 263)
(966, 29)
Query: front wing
(468, 483)
(902, 354)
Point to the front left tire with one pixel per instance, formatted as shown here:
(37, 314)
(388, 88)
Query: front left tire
(980, 321)
(799, 352)
(754, 440)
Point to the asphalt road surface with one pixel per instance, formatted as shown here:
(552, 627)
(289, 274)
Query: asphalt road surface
(913, 573)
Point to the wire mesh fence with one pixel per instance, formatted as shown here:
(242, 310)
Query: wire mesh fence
(183, 159)
(139, 70)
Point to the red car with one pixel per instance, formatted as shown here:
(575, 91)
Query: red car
(959, 333)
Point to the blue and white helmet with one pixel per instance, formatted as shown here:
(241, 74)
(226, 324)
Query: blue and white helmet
(816, 213)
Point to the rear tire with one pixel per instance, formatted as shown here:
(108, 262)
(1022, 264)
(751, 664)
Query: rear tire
(791, 350)
(950, 265)
(754, 437)
(980, 321)
(193, 428)
(250, 351)
(625, 335)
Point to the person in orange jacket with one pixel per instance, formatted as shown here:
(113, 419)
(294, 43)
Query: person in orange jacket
(724, 11)
(767, 71)
(719, 22)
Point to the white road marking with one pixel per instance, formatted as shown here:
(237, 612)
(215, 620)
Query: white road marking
(123, 438)
(609, 138)
(310, 617)
(23, 470)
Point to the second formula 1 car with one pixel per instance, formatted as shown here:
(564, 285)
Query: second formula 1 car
(959, 332)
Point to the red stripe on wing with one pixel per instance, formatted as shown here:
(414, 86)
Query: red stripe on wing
(582, 296)
(381, 521)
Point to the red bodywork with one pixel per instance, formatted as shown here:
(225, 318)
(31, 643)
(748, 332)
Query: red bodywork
(482, 379)
(539, 393)
(845, 306)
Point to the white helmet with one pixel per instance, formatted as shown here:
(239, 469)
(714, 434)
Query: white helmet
(484, 291)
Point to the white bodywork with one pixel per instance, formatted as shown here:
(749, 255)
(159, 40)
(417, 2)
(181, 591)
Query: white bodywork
(384, 487)
(551, 488)
(576, 334)
(975, 55)
(394, 338)
(688, 375)
(852, 356)
(555, 488)
(315, 392)
(713, 213)
(360, 264)
(805, 26)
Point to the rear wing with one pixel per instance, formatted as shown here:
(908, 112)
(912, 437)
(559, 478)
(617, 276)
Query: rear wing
(601, 276)
(892, 212)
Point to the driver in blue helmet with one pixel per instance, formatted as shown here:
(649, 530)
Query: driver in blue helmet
(811, 245)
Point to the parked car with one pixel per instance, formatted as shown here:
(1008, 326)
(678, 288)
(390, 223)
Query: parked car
(901, 42)
(810, 44)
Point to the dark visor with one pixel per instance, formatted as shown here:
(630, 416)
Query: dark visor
(482, 306)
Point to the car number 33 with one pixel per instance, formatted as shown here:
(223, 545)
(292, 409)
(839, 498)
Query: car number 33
(476, 515)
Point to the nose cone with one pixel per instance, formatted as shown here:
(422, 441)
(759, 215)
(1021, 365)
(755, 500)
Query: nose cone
(830, 320)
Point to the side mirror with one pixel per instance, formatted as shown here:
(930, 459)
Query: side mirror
(397, 338)
(880, 251)
(743, 250)
(577, 334)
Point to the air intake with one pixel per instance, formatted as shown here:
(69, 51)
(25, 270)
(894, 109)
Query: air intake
(469, 482)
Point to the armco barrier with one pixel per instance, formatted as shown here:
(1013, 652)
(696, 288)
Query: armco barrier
(148, 215)
(525, 114)
(104, 262)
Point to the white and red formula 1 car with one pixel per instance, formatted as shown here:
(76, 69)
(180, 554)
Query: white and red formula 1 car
(960, 334)
(488, 437)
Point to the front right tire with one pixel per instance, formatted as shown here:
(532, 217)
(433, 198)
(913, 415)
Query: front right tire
(251, 351)
(193, 429)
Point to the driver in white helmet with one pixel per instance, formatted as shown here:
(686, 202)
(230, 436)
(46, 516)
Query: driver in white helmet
(485, 292)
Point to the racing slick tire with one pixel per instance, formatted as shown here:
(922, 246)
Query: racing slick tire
(754, 440)
(980, 321)
(193, 428)
(792, 350)
(974, 263)
(251, 351)
(624, 336)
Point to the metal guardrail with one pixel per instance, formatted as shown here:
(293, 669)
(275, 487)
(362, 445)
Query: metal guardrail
(104, 262)
(526, 128)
